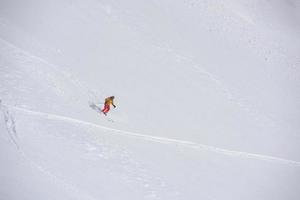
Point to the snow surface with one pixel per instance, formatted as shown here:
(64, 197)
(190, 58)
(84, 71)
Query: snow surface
(207, 95)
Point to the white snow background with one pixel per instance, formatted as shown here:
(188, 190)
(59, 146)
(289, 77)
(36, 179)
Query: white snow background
(207, 95)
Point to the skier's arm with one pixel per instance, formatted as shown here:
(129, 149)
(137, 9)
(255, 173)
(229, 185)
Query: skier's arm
(112, 103)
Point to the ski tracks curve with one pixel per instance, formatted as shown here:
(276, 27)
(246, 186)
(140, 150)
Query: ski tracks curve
(183, 143)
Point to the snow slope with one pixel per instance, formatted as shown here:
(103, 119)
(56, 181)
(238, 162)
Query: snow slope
(207, 96)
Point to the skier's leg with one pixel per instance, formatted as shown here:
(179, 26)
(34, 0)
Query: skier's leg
(106, 109)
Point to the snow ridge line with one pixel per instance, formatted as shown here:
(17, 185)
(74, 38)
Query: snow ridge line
(164, 140)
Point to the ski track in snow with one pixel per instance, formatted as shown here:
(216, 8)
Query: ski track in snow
(164, 140)
(257, 115)
(138, 173)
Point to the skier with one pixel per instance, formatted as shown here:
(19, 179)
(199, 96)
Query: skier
(108, 101)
